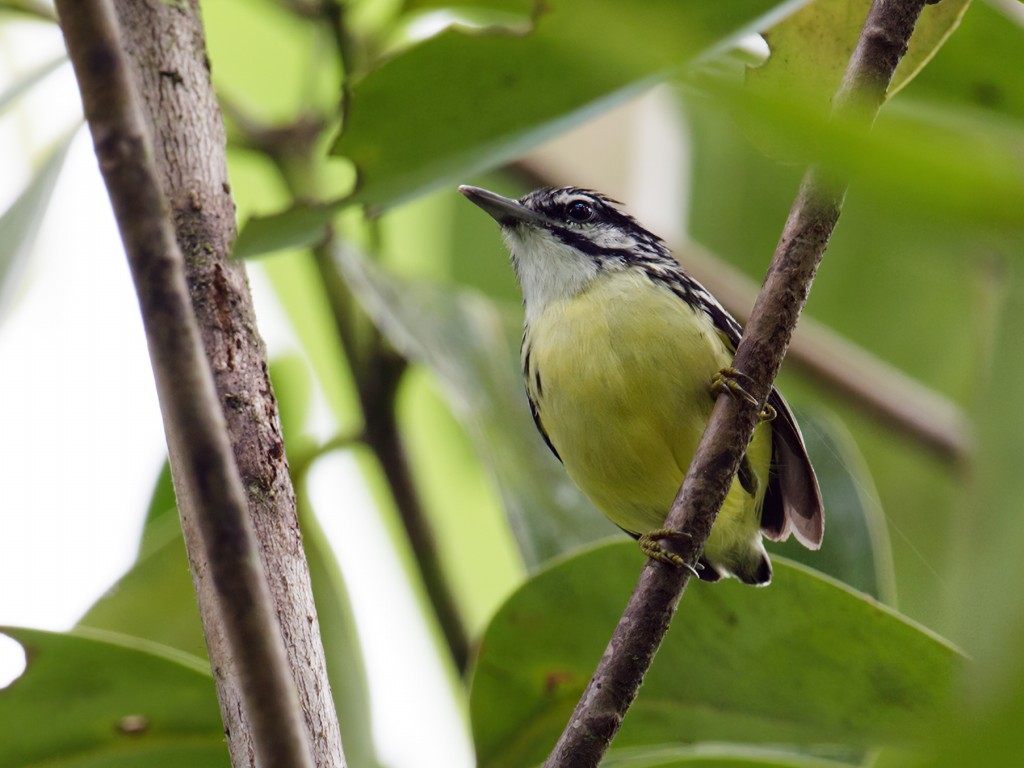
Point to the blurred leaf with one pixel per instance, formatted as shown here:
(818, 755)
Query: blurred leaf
(470, 346)
(271, 62)
(714, 756)
(29, 80)
(155, 600)
(811, 48)
(989, 531)
(460, 103)
(38, 10)
(20, 223)
(89, 699)
(856, 547)
(520, 7)
(301, 225)
(947, 166)
(805, 662)
(293, 389)
(300, 288)
(963, 71)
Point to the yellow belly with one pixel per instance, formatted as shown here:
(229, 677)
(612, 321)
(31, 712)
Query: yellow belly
(621, 376)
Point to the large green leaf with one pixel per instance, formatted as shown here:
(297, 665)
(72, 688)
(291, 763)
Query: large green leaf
(941, 162)
(806, 662)
(460, 103)
(470, 345)
(20, 223)
(856, 547)
(89, 699)
(811, 48)
(964, 71)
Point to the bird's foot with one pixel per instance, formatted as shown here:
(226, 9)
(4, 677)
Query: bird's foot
(651, 546)
(728, 380)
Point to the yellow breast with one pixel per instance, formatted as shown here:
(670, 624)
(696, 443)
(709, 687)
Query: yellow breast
(621, 375)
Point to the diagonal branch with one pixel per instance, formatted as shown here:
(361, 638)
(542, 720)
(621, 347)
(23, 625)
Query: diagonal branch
(206, 479)
(615, 683)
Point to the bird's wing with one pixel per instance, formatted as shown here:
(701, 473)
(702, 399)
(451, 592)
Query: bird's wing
(793, 501)
(535, 412)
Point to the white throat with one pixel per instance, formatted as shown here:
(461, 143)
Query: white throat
(548, 270)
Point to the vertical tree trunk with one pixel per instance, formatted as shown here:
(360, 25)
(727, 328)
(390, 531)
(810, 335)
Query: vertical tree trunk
(166, 45)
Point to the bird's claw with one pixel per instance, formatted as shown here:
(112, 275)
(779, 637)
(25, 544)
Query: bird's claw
(728, 380)
(652, 547)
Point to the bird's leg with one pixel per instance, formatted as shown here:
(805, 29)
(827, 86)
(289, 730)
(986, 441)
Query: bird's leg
(728, 380)
(653, 548)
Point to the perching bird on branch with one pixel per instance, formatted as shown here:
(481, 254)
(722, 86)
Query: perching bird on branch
(623, 354)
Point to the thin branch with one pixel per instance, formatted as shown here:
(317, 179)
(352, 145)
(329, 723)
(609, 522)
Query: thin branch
(206, 479)
(867, 382)
(614, 686)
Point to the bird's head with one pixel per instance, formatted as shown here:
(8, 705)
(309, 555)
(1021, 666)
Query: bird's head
(561, 239)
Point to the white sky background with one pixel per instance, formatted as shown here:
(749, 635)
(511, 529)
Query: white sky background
(84, 442)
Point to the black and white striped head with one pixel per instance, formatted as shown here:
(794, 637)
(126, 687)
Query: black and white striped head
(560, 239)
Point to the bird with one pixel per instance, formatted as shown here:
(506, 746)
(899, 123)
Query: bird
(623, 354)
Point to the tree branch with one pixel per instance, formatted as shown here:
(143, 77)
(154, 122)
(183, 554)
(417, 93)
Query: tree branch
(615, 683)
(210, 492)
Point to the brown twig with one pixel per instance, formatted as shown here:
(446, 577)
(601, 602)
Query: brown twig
(615, 683)
(210, 491)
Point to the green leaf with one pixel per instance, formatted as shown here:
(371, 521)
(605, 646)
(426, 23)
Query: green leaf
(89, 699)
(811, 48)
(714, 756)
(470, 345)
(806, 662)
(856, 548)
(810, 51)
(460, 103)
(963, 70)
(301, 225)
(949, 167)
(20, 223)
(155, 599)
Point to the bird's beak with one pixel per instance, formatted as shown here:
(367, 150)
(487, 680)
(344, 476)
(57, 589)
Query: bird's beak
(502, 209)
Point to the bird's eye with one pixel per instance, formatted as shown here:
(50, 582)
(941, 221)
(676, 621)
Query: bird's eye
(580, 212)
